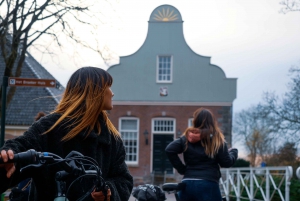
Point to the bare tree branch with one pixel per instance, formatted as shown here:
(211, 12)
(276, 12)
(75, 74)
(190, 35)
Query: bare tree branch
(285, 111)
(252, 128)
(290, 6)
(23, 23)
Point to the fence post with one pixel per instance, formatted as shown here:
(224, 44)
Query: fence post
(238, 185)
(288, 176)
(227, 184)
(267, 184)
(251, 185)
(298, 172)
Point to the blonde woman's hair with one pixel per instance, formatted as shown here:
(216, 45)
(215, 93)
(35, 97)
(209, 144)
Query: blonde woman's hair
(211, 136)
(82, 102)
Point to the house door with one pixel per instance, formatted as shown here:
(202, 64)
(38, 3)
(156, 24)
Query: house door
(160, 161)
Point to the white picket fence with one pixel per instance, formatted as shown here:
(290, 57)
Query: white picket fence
(247, 183)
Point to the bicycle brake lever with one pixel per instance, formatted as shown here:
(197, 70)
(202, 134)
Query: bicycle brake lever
(29, 167)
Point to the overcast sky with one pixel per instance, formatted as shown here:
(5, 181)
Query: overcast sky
(249, 40)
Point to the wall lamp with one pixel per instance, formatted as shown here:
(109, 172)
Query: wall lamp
(146, 136)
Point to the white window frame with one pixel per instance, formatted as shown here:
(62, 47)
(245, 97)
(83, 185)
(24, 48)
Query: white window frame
(190, 122)
(171, 69)
(164, 119)
(137, 139)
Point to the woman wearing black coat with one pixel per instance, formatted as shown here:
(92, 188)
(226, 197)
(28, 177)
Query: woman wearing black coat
(79, 123)
(204, 151)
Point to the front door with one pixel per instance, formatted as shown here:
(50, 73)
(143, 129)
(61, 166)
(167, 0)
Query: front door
(160, 161)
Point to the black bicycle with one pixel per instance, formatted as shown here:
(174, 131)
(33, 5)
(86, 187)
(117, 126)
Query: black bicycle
(74, 169)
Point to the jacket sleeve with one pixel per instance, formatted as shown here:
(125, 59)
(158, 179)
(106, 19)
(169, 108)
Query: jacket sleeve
(172, 150)
(119, 179)
(226, 158)
(31, 139)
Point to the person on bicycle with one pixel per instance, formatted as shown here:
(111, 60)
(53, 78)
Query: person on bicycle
(80, 123)
(204, 151)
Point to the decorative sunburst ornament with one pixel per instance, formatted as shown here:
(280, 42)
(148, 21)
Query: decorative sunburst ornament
(165, 15)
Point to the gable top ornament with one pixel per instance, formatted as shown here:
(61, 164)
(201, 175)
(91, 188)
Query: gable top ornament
(165, 13)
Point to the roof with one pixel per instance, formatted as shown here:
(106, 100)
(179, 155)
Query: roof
(28, 101)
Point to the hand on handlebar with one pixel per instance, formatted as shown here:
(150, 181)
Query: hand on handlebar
(9, 167)
(99, 196)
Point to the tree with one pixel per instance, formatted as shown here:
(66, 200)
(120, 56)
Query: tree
(288, 152)
(241, 163)
(285, 155)
(285, 112)
(290, 5)
(24, 22)
(251, 127)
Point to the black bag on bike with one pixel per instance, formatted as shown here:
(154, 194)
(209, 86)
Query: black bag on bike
(148, 192)
(21, 192)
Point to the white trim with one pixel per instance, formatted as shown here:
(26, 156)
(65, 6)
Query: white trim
(172, 103)
(131, 163)
(157, 133)
(163, 119)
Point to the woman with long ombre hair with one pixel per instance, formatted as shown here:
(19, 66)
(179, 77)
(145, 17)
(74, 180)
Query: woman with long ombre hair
(78, 123)
(204, 151)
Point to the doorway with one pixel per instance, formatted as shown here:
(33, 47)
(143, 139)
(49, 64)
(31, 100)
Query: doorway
(160, 161)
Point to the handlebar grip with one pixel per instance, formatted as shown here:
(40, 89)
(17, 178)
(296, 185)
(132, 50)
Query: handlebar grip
(28, 156)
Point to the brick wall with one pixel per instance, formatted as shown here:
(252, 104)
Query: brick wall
(147, 113)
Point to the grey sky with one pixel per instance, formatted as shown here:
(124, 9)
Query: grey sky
(249, 40)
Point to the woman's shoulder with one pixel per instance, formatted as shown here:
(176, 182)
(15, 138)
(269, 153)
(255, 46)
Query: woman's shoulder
(47, 121)
(52, 117)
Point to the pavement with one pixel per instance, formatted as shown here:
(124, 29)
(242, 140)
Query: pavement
(170, 197)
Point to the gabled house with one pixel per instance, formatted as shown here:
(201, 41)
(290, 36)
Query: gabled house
(28, 101)
(158, 88)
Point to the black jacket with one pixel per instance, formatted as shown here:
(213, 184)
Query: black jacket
(104, 148)
(197, 164)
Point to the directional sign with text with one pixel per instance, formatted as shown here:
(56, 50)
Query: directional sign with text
(30, 82)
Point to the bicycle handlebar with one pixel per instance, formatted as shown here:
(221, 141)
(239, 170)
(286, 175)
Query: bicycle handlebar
(73, 164)
(28, 156)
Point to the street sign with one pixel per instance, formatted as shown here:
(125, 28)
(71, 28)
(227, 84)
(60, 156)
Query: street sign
(30, 82)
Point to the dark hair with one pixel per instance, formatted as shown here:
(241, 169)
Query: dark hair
(39, 115)
(82, 101)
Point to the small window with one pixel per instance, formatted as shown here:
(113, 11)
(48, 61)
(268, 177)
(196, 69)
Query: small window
(164, 69)
(129, 130)
(164, 125)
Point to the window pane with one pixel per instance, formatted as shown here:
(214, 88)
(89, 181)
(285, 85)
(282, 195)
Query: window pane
(127, 124)
(129, 132)
(164, 125)
(164, 68)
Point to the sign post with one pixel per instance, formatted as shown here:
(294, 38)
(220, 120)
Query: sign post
(3, 110)
(19, 82)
